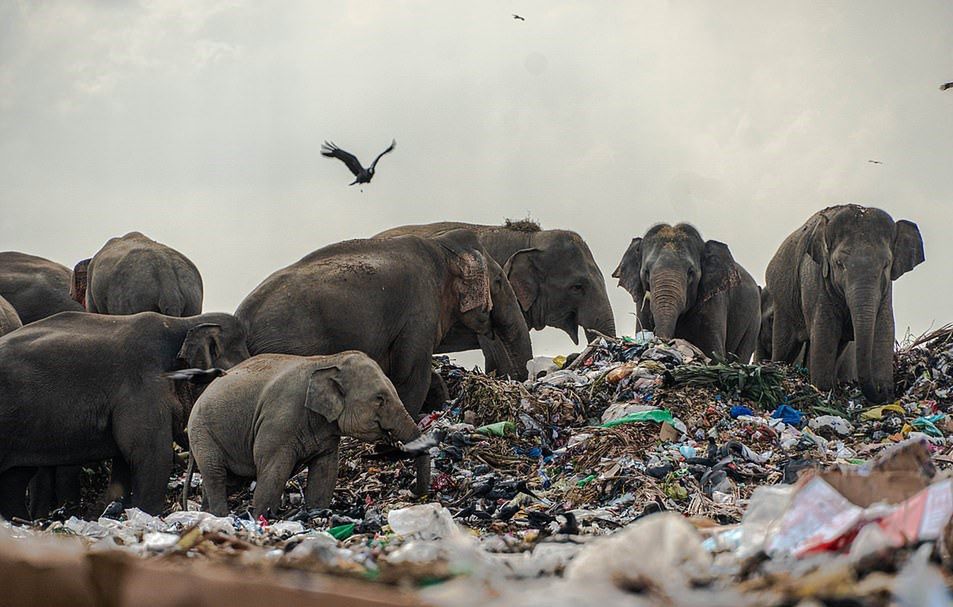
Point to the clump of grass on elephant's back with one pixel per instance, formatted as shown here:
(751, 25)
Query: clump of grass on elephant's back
(522, 225)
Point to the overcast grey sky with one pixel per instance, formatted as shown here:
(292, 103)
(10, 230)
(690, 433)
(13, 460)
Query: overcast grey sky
(199, 123)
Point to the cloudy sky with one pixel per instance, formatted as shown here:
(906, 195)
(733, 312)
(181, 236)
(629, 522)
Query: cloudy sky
(199, 123)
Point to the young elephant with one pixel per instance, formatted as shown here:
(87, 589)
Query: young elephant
(831, 282)
(77, 388)
(686, 287)
(274, 413)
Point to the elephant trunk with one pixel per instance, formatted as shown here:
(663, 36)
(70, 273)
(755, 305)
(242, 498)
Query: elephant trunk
(406, 431)
(668, 300)
(508, 356)
(598, 318)
(864, 302)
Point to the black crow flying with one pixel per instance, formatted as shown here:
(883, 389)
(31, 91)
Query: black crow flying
(361, 174)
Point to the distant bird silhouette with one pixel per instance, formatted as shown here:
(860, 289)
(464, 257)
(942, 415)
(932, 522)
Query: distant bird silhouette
(361, 174)
(518, 18)
(948, 85)
(874, 162)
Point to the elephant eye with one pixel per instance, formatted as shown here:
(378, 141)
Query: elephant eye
(577, 288)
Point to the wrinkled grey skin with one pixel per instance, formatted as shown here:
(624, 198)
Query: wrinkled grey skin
(846, 362)
(77, 388)
(9, 320)
(832, 282)
(509, 348)
(552, 272)
(134, 273)
(686, 287)
(35, 287)
(394, 299)
(276, 413)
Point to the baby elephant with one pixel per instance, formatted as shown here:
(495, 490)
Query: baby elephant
(275, 413)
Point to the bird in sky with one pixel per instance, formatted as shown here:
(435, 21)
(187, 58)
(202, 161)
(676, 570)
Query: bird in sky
(518, 18)
(948, 85)
(361, 175)
(874, 162)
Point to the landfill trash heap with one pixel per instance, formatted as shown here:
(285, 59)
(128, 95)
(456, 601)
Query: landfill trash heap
(638, 471)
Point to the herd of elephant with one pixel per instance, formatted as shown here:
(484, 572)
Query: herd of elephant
(115, 360)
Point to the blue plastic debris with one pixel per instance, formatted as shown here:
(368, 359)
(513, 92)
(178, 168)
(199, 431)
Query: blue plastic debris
(739, 410)
(687, 451)
(788, 415)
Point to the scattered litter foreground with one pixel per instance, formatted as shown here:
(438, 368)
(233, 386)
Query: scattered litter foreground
(636, 473)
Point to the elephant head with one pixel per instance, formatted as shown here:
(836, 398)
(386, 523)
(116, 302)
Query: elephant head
(669, 271)
(213, 342)
(352, 391)
(558, 284)
(78, 282)
(470, 297)
(860, 251)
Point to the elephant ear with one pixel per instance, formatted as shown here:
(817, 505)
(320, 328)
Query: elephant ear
(325, 395)
(817, 245)
(524, 276)
(471, 281)
(907, 249)
(629, 270)
(717, 268)
(201, 346)
(78, 282)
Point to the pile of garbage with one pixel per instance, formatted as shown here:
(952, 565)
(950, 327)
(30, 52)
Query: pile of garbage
(744, 482)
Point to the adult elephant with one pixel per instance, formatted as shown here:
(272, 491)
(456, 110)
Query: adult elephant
(35, 287)
(552, 272)
(394, 299)
(76, 388)
(509, 348)
(134, 273)
(684, 286)
(9, 320)
(832, 282)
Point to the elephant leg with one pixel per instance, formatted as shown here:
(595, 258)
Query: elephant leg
(847, 364)
(322, 477)
(823, 349)
(146, 445)
(13, 484)
(272, 476)
(214, 485)
(68, 484)
(120, 482)
(41, 493)
(410, 374)
(437, 395)
(748, 343)
(785, 345)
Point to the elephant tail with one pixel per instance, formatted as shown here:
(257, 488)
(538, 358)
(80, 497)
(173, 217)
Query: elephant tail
(189, 469)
